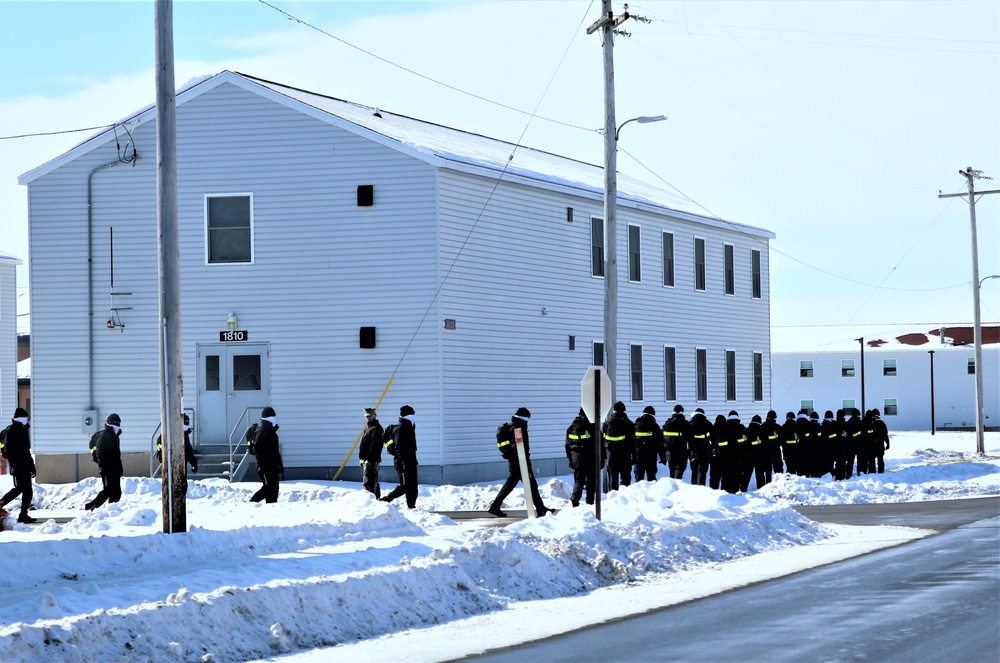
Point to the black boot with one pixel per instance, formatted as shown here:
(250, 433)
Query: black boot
(25, 518)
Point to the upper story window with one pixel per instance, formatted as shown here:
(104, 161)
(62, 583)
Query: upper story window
(847, 369)
(806, 368)
(598, 353)
(972, 366)
(755, 273)
(888, 367)
(668, 259)
(634, 254)
(229, 228)
(701, 366)
(670, 374)
(597, 247)
(730, 375)
(729, 272)
(699, 264)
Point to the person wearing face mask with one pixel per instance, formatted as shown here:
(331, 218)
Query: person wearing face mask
(16, 448)
(105, 447)
(189, 456)
(268, 453)
(400, 441)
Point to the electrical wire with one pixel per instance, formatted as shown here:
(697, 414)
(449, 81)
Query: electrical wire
(453, 88)
(56, 133)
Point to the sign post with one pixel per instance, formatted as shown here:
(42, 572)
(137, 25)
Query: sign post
(595, 399)
(522, 460)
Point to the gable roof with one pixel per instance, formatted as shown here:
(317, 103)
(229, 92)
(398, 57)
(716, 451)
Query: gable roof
(433, 143)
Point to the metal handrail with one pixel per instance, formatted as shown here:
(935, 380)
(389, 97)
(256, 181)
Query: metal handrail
(239, 429)
(152, 439)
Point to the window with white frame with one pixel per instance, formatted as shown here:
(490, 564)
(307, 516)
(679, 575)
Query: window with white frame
(848, 405)
(806, 405)
(755, 282)
(805, 368)
(847, 369)
(635, 356)
(729, 269)
(889, 407)
(597, 247)
(598, 353)
(699, 264)
(701, 366)
(730, 375)
(668, 259)
(229, 228)
(971, 369)
(758, 376)
(670, 374)
(888, 367)
(634, 255)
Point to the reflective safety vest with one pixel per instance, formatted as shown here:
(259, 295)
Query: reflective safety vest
(585, 436)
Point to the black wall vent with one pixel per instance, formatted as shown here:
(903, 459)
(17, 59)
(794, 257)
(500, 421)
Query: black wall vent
(367, 338)
(366, 195)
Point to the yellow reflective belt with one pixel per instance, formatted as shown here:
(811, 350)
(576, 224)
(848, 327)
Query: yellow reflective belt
(723, 444)
(700, 437)
(673, 433)
(579, 437)
(773, 437)
(609, 438)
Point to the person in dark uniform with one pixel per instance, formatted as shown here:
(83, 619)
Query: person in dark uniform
(852, 439)
(806, 446)
(839, 447)
(619, 438)
(818, 446)
(268, 452)
(519, 421)
(790, 443)
(700, 447)
(370, 453)
(760, 454)
(866, 461)
(830, 441)
(107, 453)
(189, 457)
(880, 437)
(771, 435)
(720, 441)
(648, 445)
(16, 449)
(730, 454)
(400, 440)
(677, 436)
(580, 454)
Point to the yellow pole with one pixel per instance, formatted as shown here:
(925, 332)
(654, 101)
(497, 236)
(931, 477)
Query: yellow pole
(355, 445)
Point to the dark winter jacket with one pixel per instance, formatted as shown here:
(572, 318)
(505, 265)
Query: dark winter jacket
(517, 422)
(649, 440)
(371, 442)
(881, 435)
(189, 456)
(17, 449)
(580, 444)
(108, 452)
(400, 440)
(266, 448)
(677, 436)
(619, 437)
(701, 437)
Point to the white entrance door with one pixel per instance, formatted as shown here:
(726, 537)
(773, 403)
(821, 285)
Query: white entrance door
(231, 378)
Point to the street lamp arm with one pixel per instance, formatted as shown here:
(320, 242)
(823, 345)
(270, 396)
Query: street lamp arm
(642, 119)
(987, 278)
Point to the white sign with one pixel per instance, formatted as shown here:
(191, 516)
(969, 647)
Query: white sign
(588, 390)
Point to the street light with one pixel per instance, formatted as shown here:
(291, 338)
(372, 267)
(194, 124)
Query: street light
(611, 235)
(862, 342)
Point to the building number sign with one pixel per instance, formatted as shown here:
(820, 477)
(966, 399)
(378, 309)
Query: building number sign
(234, 335)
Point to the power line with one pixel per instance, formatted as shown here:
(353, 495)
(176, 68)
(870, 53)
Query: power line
(453, 88)
(55, 133)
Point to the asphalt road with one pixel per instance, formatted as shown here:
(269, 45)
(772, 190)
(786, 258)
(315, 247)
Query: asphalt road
(936, 599)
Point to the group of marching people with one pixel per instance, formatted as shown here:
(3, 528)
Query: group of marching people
(725, 453)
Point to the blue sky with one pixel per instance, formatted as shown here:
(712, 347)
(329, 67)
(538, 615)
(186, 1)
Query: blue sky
(833, 124)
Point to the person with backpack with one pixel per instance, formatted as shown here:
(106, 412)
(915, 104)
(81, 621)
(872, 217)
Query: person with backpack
(265, 447)
(189, 456)
(676, 434)
(649, 445)
(105, 448)
(15, 446)
(880, 441)
(400, 441)
(509, 452)
(700, 447)
(370, 452)
(619, 438)
(580, 450)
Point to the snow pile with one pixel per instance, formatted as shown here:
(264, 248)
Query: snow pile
(329, 564)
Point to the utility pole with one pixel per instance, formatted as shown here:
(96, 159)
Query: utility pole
(971, 175)
(931, 353)
(171, 428)
(607, 24)
(862, 342)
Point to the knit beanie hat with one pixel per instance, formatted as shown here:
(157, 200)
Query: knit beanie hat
(20, 413)
(619, 407)
(649, 410)
(114, 419)
(267, 412)
(523, 413)
(678, 408)
(406, 410)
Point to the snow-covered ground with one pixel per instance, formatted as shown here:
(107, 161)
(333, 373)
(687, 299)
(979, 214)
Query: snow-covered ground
(329, 566)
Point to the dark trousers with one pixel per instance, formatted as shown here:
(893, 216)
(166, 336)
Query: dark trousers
(699, 470)
(269, 488)
(620, 471)
(583, 478)
(677, 463)
(407, 474)
(22, 487)
(111, 492)
(369, 479)
(645, 469)
(513, 477)
(714, 472)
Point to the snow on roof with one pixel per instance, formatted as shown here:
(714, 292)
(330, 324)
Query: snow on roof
(453, 147)
(9, 259)
(914, 336)
(24, 369)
